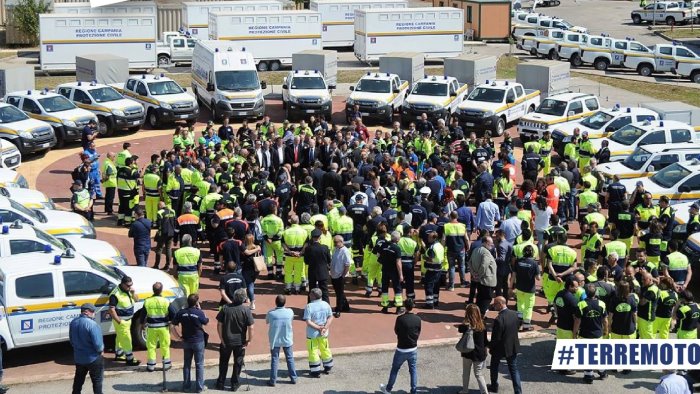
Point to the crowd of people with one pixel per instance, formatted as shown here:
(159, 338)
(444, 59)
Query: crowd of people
(402, 209)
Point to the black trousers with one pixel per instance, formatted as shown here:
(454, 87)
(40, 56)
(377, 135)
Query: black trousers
(393, 277)
(322, 284)
(341, 302)
(484, 295)
(96, 370)
(502, 286)
(409, 277)
(124, 197)
(225, 352)
(109, 199)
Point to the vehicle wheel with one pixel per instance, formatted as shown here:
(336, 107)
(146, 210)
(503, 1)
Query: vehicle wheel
(328, 115)
(262, 66)
(670, 20)
(533, 52)
(500, 127)
(104, 127)
(284, 104)
(60, 138)
(695, 77)
(530, 109)
(163, 60)
(524, 139)
(601, 64)
(153, 121)
(134, 129)
(553, 55)
(275, 66)
(636, 19)
(576, 60)
(138, 332)
(214, 114)
(389, 118)
(645, 70)
(287, 115)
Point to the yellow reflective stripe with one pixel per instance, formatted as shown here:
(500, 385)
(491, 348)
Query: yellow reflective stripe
(459, 91)
(44, 117)
(409, 33)
(270, 37)
(621, 152)
(106, 261)
(65, 230)
(7, 130)
(563, 44)
(334, 23)
(198, 26)
(32, 205)
(124, 41)
(634, 175)
(93, 107)
(139, 97)
(99, 301)
(678, 196)
(518, 101)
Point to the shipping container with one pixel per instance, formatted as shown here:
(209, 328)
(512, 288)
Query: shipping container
(195, 15)
(128, 7)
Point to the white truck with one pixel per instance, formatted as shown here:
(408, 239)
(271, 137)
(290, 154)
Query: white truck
(600, 51)
(437, 97)
(127, 7)
(272, 37)
(669, 12)
(176, 48)
(114, 111)
(304, 93)
(535, 24)
(658, 58)
(687, 65)
(569, 48)
(226, 81)
(162, 98)
(195, 14)
(496, 104)
(544, 45)
(554, 111)
(437, 32)
(377, 96)
(18, 130)
(338, 18)
(64, 36)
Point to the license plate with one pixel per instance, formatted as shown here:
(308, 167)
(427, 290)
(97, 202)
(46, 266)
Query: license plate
(135, 123)
(469, 124)
(242, 113)
(182, 116)
(46, 145)
(310, 111)
(364, 113)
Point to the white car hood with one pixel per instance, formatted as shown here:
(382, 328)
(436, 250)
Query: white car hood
(358, 95)
(62, 223)
(121, 104)
(649, 186)
(73, 114)
(612, 168)
(541, 118)
(96, 249)
(568, 130)
(175, 98)
(616, 149)
(310, 93)
(25, 125)
(30, 198)
(419, 99)
(145, 277)
(480, 105)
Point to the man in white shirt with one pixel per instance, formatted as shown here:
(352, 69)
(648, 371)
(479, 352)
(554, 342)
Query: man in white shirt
(672, 383)
(340, 264)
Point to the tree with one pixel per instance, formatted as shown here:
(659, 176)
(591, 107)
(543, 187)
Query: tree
(26, 17)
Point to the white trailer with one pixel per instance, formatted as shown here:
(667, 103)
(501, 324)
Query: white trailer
(438, 32)
(62, 37)
(338, 18)
(195, 14)
(272, 37)
(129, 7)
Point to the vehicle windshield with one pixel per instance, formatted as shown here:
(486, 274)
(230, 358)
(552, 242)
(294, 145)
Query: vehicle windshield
(25, 211)
(670, 175)
(46, 237)
(637, 159)
(105, 94)
(430, 89)
(107, 271)
(164, 87)
(373, 86)
(237, 81)
(310, 83)
(11, 114)
(597, 120)
(487, 95)
(627, 135)
(565, 24)
(552, 107)
(56, 104)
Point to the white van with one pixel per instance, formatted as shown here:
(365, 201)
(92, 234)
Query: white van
(226, 80)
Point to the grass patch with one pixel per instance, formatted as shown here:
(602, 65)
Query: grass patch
(6, 54)
(682, 33)
(664, 92)
(506, 67)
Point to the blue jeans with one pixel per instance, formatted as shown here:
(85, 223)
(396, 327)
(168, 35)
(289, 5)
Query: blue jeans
(399, 359)
(141, 256)
(571, 205)
(95, 183)
(512, 369)
(195, 350)
(275, 362)
(456, 260)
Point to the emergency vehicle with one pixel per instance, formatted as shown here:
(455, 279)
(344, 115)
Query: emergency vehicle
(57, 223)
(12, 178)
(29, 198)
(24, 133)
(556, 110)
(649, 159)
(378, 95)
(438, 97)
(42, 294)
(305, 92)
(680, 182)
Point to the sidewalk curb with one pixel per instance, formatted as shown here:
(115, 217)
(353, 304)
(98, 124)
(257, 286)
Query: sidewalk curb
(259, 358)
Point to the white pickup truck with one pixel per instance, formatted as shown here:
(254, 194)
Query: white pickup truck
(658, 58)
(492, 106)
(669, 12)
(535, 24)
(544, 45)
(304, 93)
(176, 48)
(687, 65)
(377, 95)
(569, 48)
(437, 97)
(600, 51)
(554, 111)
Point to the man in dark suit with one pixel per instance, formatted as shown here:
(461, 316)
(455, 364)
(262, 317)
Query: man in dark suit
(504, 343)
(318, 258)
(295, 157)
(332, 179)
(279, 155)
(311, 154)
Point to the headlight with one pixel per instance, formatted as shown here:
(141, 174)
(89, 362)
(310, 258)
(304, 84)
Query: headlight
(48, 204)
(177, 291)
(119, 260)
(88, 229)
(26, 135)
(350, 101)
(487, 114)
(293, 99)
(260, 97)
(165, 105)
(69, 123)
(118, 112)
(220, 97)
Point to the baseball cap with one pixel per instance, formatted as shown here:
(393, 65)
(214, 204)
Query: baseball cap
(584, 134)
(359, 197)
(77, 182)
(315, 233)
(640, 183)
(433, 215)
(210, 123)
(342, 210)
(87, 307)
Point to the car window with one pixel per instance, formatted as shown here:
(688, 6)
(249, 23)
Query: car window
(656, 137)
(619, 122)
(13, 101)
(576, 107)
(666, 50)
(65, 92)
(190, 43)
(79, 283)
(692, 156)
(81, 97)
(693, 183)
(638, 47)
(30, 106)
(662, 161)
(680, 135)
(130, 84)
(682, 52)
(574, 38)
(519, 91)
(591, 104)
(510, 96)
(620, 45)
(141, 89)
(10, 216)
(34, 286)
(642, 118)
(179, 43)
(532, 20)
(19, 246)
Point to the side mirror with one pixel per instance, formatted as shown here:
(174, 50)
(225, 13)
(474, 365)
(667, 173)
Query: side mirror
(396, 90)
(609, 129)
(185, 89)
(210, 87)
(510, 100)
(650, 168)
(352, 88)
(263, 85)
(684, 189)
(331, 87)
(285, 86)
(570, 113)
(87, 101)
(453, 94)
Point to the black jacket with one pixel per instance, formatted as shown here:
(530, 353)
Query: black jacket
(318, 258)
(479, 352)
(504, 336)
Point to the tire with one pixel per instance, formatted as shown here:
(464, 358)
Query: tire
(104, 127)
(533, 52)
(275, 65)
(601, 64)
(163, 60)
(576, 60)
(263, 66)
(191, 122)
(138, 331)
(695, 76)
(60, 138)
(636, 19)
(670, 20)
(214, 114)
(389, 118)
(284, 104)
(287, 115)
(553, 55)
(530, 109)
(645, 70)
(500, 127)
(524, 139)
(152, 119)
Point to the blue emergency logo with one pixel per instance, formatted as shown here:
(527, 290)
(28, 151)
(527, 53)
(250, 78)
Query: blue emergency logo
(26, 326)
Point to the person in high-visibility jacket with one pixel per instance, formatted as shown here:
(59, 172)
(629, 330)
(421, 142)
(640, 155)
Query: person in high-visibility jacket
(171, 192)
(272, 228)
(668, 299)
(127, 189)
(371, 262)
(561, 261)
(121, 309)
(109, 181)
(646, 312)
(456, 242)
(81, 201)
(157, 318)
(152, 191)
(586, 151)
(433, 260)
(678, 266)
(344, 227)
(293, 239)
(546, 152)
(409, 256)
(188, 266)
(123, 155)
(389, 256)
(687, 317)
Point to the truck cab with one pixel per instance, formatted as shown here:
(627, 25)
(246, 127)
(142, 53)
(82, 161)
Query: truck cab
(680, 182)
(163, 99)
(647, 160)
(437, 97)
(492, 106)
(598, 51)
(176, 48)
(554, 111)
(658, 58)
(378, 95)
(669, 12)
(544, 45)
(114, 111)
(569, 48)
(42, 294)
(305, 93)
(25, 134)
(66, 119)
(687, 64)
(535, 25)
